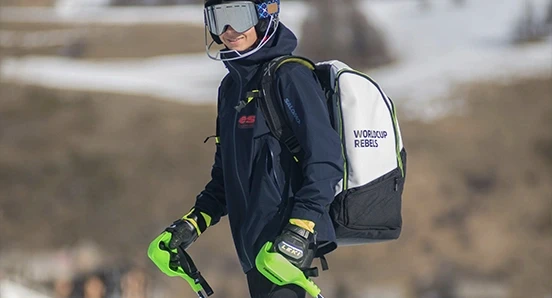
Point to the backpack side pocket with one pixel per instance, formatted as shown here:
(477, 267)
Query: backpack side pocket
(372, 212)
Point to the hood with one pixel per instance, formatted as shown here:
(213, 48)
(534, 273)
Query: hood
(282, 43)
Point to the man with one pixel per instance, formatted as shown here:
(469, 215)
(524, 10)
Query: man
(267, 193)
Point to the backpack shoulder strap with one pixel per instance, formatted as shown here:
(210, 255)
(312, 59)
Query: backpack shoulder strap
(272, 104)
(273, 109)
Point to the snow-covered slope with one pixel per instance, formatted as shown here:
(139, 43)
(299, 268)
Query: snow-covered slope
(11, 289)
(435, 50)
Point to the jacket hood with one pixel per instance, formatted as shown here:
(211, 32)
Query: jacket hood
(282, 43)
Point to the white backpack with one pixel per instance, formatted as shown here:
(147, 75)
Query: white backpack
(367, 204)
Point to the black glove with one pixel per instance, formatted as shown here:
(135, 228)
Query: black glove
(186, 230)
(296, 245)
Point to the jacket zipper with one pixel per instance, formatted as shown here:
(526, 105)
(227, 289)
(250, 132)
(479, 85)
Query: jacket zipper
(236, 163)
(274, 172)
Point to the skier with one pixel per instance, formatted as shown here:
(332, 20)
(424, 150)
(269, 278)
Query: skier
(268, 193)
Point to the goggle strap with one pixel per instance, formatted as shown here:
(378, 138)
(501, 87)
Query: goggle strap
(218, 56)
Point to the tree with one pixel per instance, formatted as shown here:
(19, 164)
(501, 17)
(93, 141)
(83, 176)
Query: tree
(528, 28)
(548, 19)
(459, 3)
(338, 29)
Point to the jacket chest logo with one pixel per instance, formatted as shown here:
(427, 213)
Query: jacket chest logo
(246, 121)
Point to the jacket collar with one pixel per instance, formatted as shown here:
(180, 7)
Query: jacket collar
(282, 43)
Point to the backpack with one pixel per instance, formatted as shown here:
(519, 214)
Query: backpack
(367, 204)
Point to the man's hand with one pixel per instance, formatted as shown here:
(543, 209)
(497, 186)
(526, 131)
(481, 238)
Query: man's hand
(181, 233)
(296, 243)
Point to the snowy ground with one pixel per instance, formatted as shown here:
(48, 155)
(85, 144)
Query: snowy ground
(11, 289)
(436, 49)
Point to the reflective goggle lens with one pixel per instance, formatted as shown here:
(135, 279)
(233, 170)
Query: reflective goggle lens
(241, 16)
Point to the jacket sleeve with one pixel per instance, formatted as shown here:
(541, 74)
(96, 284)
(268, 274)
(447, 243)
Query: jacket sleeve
(212, 200)
(322, 164)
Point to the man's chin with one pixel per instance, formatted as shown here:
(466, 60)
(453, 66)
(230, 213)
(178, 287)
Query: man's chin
(241, 49)
(238, 49)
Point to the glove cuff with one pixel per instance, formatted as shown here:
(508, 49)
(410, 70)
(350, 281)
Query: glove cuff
(303, 233)
(303, 223)
(200, 220)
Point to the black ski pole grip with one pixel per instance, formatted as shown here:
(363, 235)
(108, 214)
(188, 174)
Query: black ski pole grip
(190, 269)
(206, 287)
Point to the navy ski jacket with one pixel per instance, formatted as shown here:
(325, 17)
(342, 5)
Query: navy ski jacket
(255, 179)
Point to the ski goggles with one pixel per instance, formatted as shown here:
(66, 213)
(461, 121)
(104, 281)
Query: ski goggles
(240, 15)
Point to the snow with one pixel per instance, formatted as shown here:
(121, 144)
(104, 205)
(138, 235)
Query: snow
(183, 77)
(72, 13)
(71, 7)
(435, 50)
(11, 289)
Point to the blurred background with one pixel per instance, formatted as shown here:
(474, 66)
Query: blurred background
(104, 106)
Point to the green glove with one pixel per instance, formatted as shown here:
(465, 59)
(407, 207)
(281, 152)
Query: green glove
(284, 261)
(280, 271)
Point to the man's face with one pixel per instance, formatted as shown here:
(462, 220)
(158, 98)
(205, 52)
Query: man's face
(239, 41)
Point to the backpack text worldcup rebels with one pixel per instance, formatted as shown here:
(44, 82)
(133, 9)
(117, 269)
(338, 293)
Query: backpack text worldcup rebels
(367, 205)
